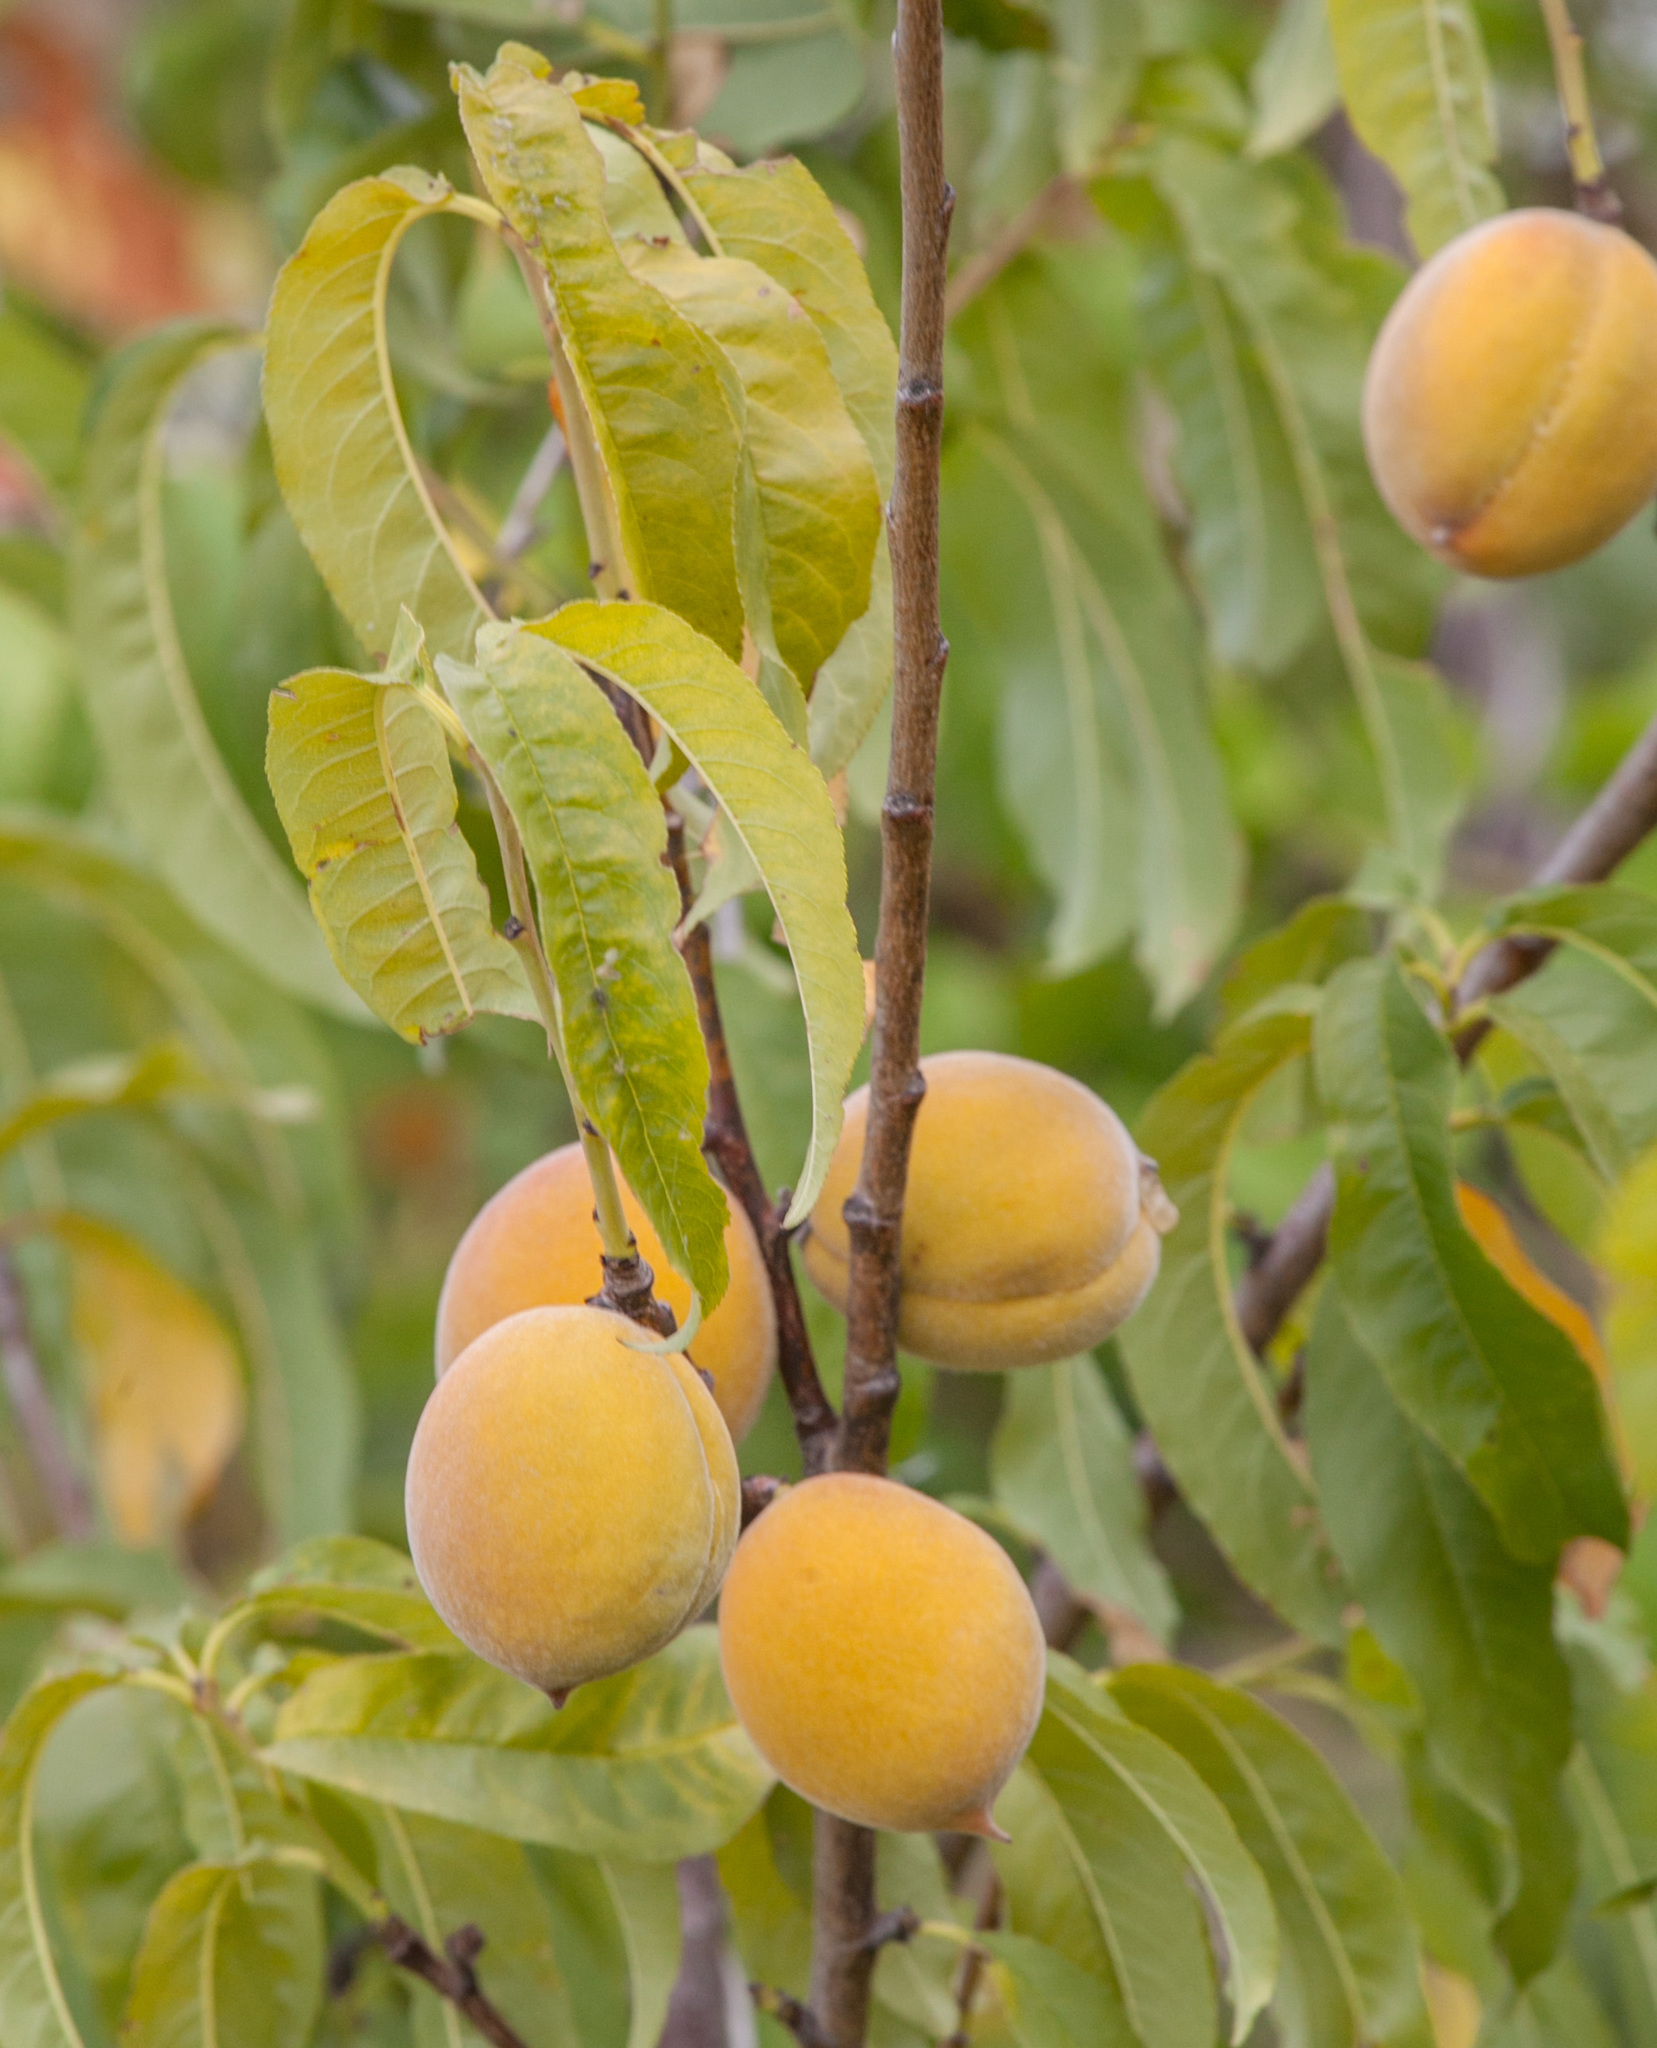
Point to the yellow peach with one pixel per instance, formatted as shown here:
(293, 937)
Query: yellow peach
(882, 1654)
(571, 1500)
(1025, 1235)
(535, 1244)
(1510, 409)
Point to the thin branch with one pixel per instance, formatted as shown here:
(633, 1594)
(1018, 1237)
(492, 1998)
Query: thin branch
(757, 1495)
(61, 1484)
(725, 1141)
(1594, 195)
(518, 527)
(843, 1916)
(1623, 813)
(788, 2012)
(451, 1975)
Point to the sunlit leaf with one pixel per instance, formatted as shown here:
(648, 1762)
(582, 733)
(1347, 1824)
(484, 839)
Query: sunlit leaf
(773, 799)
(232, 1958)
(650, 381)
(360, 772)
(1499, 1388)
(1416, 88)
(1351, 1970)
(350, 477)
(650, 1766)
(163, 768)
(1628, 1251)
(346, 1578)
(1210, 1403)
(1469, 1623)
(1061, 1467)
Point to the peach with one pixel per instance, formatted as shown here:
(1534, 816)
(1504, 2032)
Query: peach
(1510, 409)
(572, 1501)
(535, 1244)
(882, 1653)
(1030, 1228)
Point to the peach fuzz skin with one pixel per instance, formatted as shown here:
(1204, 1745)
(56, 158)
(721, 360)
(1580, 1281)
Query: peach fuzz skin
(1024, 1234)
(1510, 408)
(535, 1244)
(882, 1654)
(572, 1501)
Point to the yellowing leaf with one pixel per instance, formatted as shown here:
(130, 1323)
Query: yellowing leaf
(164, 1379)
(1628, 1251)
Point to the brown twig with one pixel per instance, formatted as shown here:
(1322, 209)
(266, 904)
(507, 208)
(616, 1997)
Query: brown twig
(842, 1964)
(972, 1964)
(61, 1484)
(451, 1975)
(725, 1141)
(1606, 833)
(787, 2010)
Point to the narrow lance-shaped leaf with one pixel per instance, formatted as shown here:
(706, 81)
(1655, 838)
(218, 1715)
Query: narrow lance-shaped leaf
(163, 767)
(651, 1765)
(350, 477)
(594, 833)
(350, 1579)
(772, 798)
(819, 503)
(649, 379)
(1417, 89)
(1061, 1466)
(1471, 1624)
(1610, 1782)
(1351, 1970)
(232, 1958)
(1209, 1402)
(360, 771)
(1493, 1382)
(34, 2010)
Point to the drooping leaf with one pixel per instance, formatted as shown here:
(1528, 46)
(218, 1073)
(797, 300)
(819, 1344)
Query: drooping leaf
(164, 1381)
(1417, 89)
(1106, 1823)
(819, 503)
(1295, 83)
(360, 772)
(594, 835)
(1323, 934)
(1209, 1402)
(351, 1579)
(158, 755)
(1495, 1384)
(649, 379)
(34, 2012)
(649, 1766)
(1061, 1467)
(351, 480)
(772, 798)
(614, 1929)
(1471, 1624)
(233, 1955)
(1351, 1971)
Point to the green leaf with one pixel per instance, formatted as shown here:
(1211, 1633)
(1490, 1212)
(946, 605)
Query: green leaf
(1106, 1821)
(819, 503)
(1054, 555)
(1471, 1624)
(232, 1958)
(997, 25)
(36, 705)
(1433, 752)
(1209, 1402)
(1559, 2009)
(351, 480)
(595, 834)
(1061, 1467)
(360, 772)
(34, 2012)
(345, 1578)
(164, 770)
(1049, 2002)
(1323, 934)
(614, 1929)
(650, 1766)
(1351, 1970)
(1589, 1016)
(1417, 89)
(1610, 1782)
(164, 1068)
(649, 379)
(92, 1578)
(1296, 87)
(1497, 1386)
(772, 798)
(43, 392)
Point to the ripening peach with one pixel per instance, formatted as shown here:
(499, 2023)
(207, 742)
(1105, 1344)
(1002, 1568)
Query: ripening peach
(882, 1653)
(535, 1244)
(1031, 1226)
(1510, 410)
(572, 1501)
